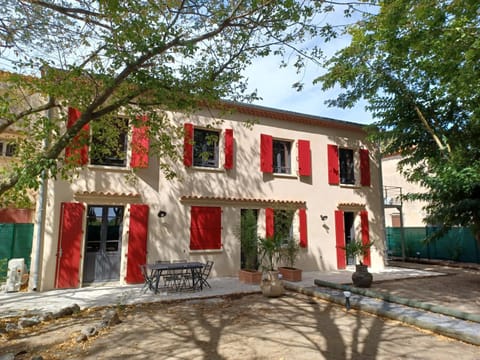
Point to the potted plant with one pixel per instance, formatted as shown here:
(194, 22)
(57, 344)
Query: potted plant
(289, 254)
(269, 250)
(358, 250)
(248, 245)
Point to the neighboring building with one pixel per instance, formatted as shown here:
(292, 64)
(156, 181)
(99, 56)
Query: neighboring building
(395, 185)
(319, 173)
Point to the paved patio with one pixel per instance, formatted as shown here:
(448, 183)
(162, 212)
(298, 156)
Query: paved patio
(18, 303)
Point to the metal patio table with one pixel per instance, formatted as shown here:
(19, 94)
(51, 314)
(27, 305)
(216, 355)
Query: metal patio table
(184, 270)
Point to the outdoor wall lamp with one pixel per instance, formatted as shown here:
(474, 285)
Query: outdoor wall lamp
(162, 214)
(323, 217)
(347, 295)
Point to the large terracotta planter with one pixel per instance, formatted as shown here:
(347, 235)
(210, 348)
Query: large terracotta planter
(290, 274)
(361, 277)
(250, 276)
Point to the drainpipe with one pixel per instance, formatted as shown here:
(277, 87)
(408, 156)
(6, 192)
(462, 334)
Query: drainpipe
(40, 219)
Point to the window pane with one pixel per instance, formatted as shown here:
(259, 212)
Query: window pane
(11, 150)
(109, 142)
(347, 172)
(205, 148)
(281, 157)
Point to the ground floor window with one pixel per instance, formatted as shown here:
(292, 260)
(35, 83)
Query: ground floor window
(205, 228)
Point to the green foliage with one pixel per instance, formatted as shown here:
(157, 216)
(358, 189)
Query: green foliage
(168, 56)
(357, 250)
(270, 251)
(3, 270)
(289, 252)
(249, 239)
(416, 64)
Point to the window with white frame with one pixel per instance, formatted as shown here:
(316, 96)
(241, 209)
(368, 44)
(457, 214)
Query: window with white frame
(282, 163)
(110, 143)
(8, 148)
(347, 168)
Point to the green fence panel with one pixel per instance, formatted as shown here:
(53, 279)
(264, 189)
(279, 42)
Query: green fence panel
(457, 245)
(15, 242)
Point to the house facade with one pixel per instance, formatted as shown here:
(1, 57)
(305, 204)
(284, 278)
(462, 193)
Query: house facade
(311, 178)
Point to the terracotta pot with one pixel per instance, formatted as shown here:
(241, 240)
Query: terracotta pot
(290, 274)
(250, 276)
(361, 277)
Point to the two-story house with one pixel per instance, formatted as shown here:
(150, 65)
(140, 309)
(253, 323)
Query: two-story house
(319, 173)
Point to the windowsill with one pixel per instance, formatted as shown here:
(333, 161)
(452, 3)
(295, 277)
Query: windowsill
(109, 168)
(350, 186)
(288, 176)
(206, 251)
(208, 169)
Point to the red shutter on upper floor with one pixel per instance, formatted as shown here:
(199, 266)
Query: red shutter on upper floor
(333, 167)
(304, 158)
(365, 235)
(302, 215)
(269, 223)
(229, 149)
(77, 151)
(137, 242)
(266, 153)
(188, 145)
(340, 240)
(69, 245)
(140, 145)
(364, 167)
(205, 228)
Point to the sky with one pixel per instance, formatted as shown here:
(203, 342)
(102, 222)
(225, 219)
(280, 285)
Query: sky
(274, 84)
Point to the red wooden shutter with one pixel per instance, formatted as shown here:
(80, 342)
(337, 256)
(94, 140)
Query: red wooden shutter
(266, 153)
(269, 223)
(205, 228)
(77, 151)
(340, 240)
(188, 145)
(365, 235)
(69, 245)
(333, 168)
(137, 242)
(304, 158)
(364, 167)
(140, 145)
(228, 149)
(302, 215)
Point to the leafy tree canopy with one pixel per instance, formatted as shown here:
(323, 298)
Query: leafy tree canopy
(132, 57)
(416, 62)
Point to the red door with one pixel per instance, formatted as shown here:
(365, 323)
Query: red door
(69, 245)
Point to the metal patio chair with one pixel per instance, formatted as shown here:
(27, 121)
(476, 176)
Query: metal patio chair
(148, 279)
(206, 273)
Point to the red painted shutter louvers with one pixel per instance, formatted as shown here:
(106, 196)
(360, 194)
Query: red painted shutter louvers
(333, 167)
(365, 235)
(302, 214)
(364, 167)
(77, 151)
(340, 240)
(140, 145)
(69, 245)
(188, 145)
(269, 223)
(304, 158)
(137, 242)
(205, 228)
(229, 149)
(266, 153)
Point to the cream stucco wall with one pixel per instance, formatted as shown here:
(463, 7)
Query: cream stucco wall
(244, 186)
(413, 213)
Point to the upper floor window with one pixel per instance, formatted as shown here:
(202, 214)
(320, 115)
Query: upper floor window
(8, 149)
(282, 157)
(347, 169)
(109, 143)
(205, 148)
